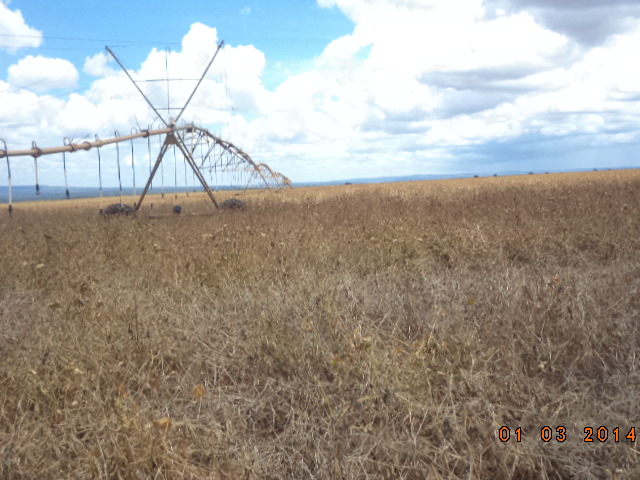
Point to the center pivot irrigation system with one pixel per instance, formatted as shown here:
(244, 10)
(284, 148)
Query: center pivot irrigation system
(203, 151)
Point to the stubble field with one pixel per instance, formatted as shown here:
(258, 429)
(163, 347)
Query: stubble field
(361, 331)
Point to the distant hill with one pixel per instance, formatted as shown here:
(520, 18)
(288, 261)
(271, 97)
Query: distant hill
(23, 193)
(414, 178)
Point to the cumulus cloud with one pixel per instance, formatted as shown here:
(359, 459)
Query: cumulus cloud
(427, 53)
(97, 65)
(589, 22)
(418, 86)
(16, 34)
(438, 75)
(42, 74)
(233, 83)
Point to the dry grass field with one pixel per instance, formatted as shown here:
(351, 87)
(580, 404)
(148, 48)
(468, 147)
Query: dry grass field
(360, 331)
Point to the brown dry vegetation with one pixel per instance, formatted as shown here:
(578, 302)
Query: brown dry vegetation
(348, 332)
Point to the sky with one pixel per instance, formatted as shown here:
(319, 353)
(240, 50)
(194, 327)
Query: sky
(332, 89)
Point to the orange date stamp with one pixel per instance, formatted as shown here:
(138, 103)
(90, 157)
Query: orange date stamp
(559, 434)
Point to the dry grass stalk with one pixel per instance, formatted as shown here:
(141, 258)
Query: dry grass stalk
(354, 332)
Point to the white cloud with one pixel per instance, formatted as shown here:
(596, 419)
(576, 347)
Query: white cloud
(386, 92)
(199, 44)
(590, 23)
(42, 74)
(97, 65)
(232, 83)
(513, 42)
(16, 34)
(425, 76)
(414, 84)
